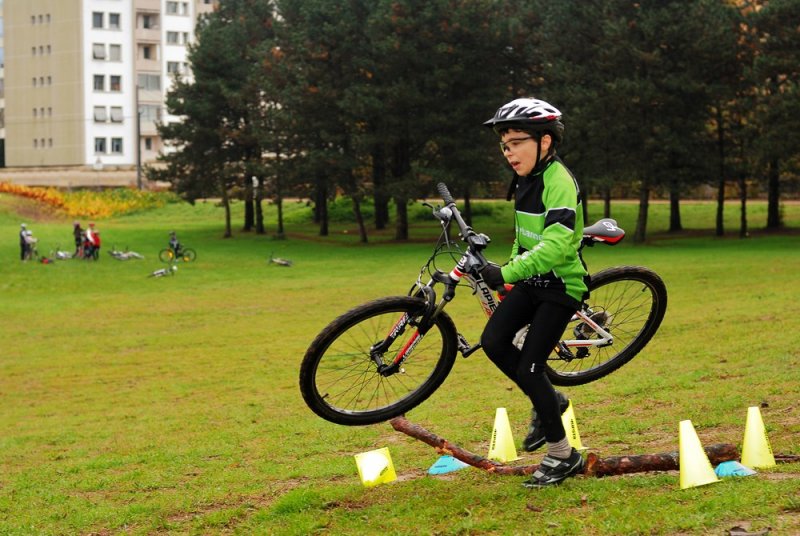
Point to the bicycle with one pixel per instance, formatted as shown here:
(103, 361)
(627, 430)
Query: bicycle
(181, 254)
(124, 255)
(387, 356)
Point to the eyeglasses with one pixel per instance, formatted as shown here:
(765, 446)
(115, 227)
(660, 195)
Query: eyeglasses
(510, 145)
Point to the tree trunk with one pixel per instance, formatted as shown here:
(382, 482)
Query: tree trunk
(401, 227)
(675, 225)
(607, 202)
(249, 204)
(401, 172)
(467, 207)
(720, 227)
(381, 198)
(362, 230)
(595, 465)
(774, 220)
(227, 204)
(743, 233)
(641, 221)
(257, 198)
(321, 206)
(279, 203)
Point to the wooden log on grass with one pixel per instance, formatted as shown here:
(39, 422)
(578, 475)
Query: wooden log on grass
(595, 466)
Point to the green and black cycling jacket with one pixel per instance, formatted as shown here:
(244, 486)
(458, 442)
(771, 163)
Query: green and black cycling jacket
(549, 227)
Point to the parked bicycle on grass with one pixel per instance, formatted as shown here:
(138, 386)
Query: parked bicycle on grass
(176, 251)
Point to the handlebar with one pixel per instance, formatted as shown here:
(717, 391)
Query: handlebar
(476, 241)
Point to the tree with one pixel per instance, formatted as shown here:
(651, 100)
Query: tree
(776, 72)
(217, 129)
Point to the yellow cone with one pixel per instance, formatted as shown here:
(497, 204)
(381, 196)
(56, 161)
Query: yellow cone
(375, 467)
(502, 447)
(756, 452)
(571, 427)
(695, 468)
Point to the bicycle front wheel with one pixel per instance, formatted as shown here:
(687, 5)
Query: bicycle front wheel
(339, 376)
(629, 302)
(188, 255)
(166, 255)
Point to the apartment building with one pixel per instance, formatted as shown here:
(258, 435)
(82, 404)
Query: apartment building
(2, 91)
(85, 80)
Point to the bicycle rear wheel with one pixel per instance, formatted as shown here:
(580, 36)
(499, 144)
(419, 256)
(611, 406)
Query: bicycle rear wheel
(188, 255)
(340, 381)
(627, 301)
(166, 255)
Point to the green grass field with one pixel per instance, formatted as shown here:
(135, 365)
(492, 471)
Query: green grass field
(136, 405)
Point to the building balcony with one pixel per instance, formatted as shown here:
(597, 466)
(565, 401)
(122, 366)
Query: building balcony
(143, 64)
(151, 35)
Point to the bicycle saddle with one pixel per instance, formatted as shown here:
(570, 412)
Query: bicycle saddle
(604, 230)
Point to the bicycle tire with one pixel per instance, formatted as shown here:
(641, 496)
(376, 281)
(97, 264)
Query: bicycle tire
(166, 255)
(339, 380)
(635, 298)
(188, 255)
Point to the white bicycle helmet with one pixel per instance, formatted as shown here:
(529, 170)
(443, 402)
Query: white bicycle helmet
(530, 115)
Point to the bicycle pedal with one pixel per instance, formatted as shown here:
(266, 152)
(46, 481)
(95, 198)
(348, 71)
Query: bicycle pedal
(465, 347)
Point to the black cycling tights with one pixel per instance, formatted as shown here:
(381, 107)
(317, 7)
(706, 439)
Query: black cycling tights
(526, 367)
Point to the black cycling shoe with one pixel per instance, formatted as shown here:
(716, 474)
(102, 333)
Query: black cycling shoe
(535, 437)
(553, 471)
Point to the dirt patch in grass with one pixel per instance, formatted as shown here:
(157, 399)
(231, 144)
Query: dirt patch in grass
(29, 210)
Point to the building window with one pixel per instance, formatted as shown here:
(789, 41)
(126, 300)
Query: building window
(116, 145)
(116, 114)
(99, 146)
(148, 144)
(99, 51)
(100, 114)
(34, 81)
(173, 67)
(172, 8)
(35, 143)
(33, 50)
(97, 19)
(149, 22)
(115, 83)
(149, 82)
(99, 82)
(150, 112)
(49, 80)
(113, 21)
(173, 38)
(148, 52)
(48, 49)
(49, 142)
(35, 112)
(33, 19)
(114, 52)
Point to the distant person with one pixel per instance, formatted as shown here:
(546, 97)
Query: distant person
(77, 233)
(30, 244)
(23, 244)
(92, 243)
(174, 243)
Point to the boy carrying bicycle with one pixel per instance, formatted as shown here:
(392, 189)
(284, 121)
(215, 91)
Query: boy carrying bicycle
(549, 276)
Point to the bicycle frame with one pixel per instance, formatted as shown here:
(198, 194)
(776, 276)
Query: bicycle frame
(467, 269)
